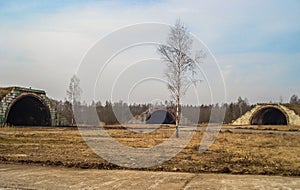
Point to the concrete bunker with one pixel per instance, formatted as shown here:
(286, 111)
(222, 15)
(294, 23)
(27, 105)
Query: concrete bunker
(269, 116)
(160, 117)
(28, 110)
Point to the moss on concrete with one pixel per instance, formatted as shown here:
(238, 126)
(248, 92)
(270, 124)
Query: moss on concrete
(5, 91)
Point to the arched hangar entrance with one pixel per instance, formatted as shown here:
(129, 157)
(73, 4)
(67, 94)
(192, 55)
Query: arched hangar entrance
(160, 117)
(269, 116)
(28, 110)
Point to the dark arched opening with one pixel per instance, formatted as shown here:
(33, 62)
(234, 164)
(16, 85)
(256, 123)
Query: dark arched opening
(28, 111)
(269, 116)
(160, 117)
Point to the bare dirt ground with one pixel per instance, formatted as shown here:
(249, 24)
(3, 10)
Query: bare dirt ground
(235, 151)
(15, 176)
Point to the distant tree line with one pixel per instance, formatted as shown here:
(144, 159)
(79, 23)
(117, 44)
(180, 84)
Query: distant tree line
(294, 99)
(106, 111)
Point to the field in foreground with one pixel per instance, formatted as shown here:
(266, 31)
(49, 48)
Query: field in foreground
(233, 152)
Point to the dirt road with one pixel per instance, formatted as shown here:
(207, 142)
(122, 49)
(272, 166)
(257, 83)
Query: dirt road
(14, 176)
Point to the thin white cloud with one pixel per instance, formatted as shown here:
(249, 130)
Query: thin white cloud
(45, 47)
(262, 77)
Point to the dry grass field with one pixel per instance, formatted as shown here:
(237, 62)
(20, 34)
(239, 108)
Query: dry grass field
(232, 152)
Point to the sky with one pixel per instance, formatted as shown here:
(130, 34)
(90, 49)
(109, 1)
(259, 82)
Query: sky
(255, 43)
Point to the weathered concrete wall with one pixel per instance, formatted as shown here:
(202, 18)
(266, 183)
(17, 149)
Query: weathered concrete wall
(292, 117)
(17, 92)
(142, 118)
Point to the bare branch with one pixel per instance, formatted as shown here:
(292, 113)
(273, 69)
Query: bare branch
(182, 67)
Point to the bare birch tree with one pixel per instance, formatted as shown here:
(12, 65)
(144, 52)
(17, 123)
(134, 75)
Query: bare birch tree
(73, 93)
(181, 67)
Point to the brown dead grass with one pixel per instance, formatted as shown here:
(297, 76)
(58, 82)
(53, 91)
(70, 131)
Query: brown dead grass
(269, 127)
(272, 154)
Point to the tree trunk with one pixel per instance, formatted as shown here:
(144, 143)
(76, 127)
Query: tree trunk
(178, 99)
(177, 119)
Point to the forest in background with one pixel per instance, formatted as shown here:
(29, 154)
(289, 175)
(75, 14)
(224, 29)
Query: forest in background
(106, 111)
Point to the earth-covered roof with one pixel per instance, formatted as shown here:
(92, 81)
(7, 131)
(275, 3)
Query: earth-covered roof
(294, 107)
(5, 91)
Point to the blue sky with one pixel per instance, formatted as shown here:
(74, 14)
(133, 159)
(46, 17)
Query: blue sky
(256, 43)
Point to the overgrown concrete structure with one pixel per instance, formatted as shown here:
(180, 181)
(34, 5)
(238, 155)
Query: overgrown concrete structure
(155, 115)
(160, 115)
(26, 107)
(271, 114)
